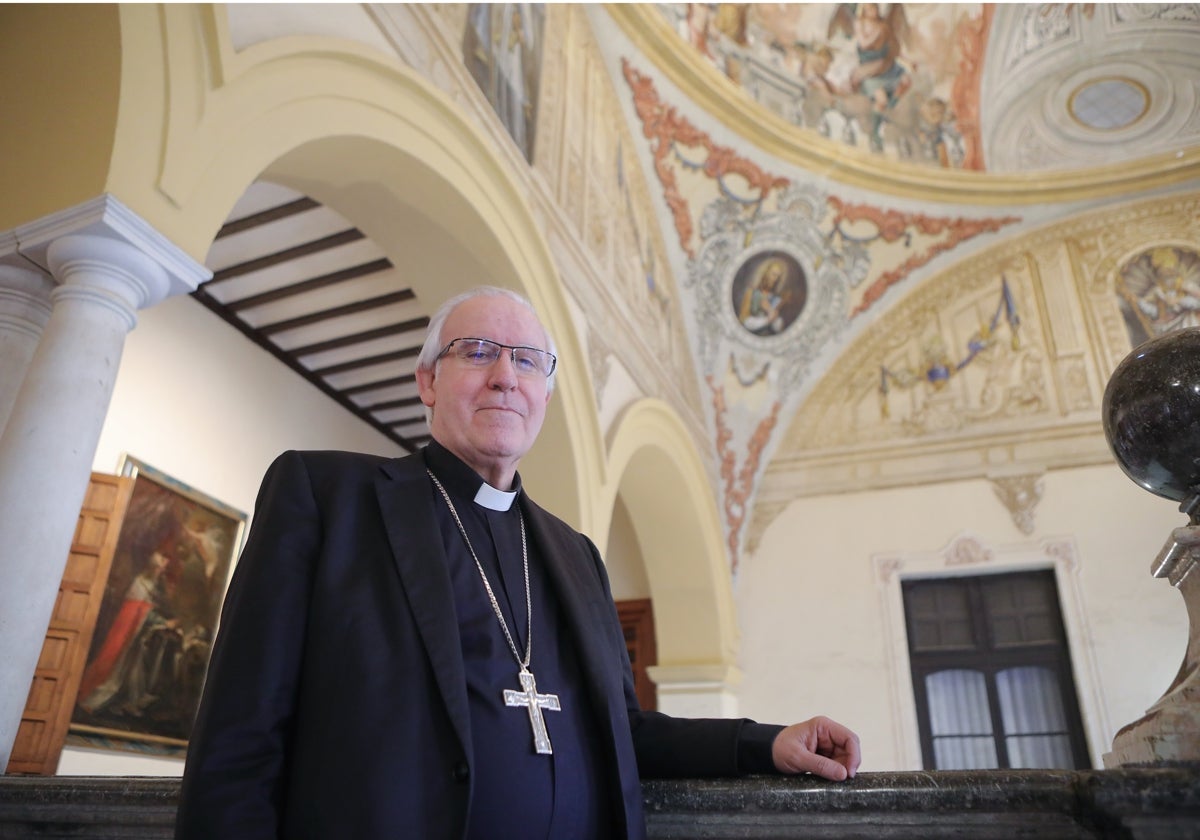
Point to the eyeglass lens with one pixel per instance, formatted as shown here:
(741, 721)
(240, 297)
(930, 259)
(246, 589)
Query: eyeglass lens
(481, 351)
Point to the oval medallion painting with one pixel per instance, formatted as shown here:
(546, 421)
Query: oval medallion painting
(769, 291)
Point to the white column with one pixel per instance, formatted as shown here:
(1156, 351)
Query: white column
(697, 690)
(108, 263)
(24, 310)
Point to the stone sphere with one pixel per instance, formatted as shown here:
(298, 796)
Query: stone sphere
(1151, 414)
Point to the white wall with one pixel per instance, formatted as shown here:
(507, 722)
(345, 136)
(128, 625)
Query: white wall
(812, 612)
(200, 402)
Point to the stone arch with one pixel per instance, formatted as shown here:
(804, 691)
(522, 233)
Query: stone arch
(358, 130)
(656, 472)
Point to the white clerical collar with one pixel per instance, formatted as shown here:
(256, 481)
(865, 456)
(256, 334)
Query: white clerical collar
(493, 499)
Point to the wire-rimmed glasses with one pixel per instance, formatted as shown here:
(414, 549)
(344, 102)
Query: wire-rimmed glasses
(481, 352)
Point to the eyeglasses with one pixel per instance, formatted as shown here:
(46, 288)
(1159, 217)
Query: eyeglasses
(480, 352)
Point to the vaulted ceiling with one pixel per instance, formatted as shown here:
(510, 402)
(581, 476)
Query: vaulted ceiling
(1050, 91)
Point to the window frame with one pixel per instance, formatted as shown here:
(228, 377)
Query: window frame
(967, 553)
(990, 660)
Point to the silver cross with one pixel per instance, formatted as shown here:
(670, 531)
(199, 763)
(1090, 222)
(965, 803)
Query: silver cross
(534, 702)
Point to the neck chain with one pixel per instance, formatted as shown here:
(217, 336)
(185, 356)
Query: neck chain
(524, 663)
(528, 696)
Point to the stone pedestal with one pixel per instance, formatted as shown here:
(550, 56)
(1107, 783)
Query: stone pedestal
(1151, 415)
(1170, 729)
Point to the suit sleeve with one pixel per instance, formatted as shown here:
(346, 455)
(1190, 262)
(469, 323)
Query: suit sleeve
(237, 756)
(673, 747)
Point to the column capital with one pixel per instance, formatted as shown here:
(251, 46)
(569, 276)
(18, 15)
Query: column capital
(105, 217)
(24, 297)
(109, 272)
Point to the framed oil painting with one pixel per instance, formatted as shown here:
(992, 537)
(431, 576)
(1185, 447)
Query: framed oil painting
(143, 674)
(769, 292)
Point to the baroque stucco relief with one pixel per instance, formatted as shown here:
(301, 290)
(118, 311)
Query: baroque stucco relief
(1028, 400)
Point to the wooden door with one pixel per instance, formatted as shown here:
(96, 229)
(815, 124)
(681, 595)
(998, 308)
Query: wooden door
(637, 621)
(43, 728)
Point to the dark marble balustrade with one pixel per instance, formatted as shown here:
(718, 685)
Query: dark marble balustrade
(1159, 802)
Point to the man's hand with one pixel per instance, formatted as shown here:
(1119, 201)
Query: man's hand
(820, 746)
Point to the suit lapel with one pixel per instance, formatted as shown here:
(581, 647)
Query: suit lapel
(407, 506)
(588, 609)
(571, 574)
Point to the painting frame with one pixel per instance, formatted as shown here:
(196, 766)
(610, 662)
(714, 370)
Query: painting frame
(768, 292)
(145, 669)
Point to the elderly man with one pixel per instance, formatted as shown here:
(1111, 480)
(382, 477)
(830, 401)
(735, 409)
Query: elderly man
(413, 648)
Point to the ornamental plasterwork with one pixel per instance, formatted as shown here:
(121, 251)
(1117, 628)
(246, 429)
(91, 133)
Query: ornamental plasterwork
(1072, 82)
(600, 360)
(967, 551)
(963, 352)
(1037, 26)
(1020, 494)
(776, 270)
(1063, 282)
(732, 243)
(1138, 12)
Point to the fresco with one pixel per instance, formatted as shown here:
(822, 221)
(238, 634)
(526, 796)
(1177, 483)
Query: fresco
(1159, 291)
(776, 270)
(502, 47)
(890, 78)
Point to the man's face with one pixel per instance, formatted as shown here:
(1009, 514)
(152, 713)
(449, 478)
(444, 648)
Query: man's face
(487, 416)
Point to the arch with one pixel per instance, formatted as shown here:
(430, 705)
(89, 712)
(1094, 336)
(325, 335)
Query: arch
(354, 128)
(658, 474)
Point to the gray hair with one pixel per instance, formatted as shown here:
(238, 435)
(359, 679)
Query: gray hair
(428, 358)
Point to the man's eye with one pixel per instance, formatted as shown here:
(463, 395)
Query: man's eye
(526, 363)
(478, 355)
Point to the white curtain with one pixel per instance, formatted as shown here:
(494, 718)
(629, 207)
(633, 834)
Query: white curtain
(1031, 711)
(959, 720)
(1035, 724)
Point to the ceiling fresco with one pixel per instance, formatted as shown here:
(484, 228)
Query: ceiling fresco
(894, 79)
(857, 223)
(751, 115)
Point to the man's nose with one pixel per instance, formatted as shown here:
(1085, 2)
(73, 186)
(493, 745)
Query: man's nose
(503, 375)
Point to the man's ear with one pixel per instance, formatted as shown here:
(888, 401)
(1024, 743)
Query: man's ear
(425, 377)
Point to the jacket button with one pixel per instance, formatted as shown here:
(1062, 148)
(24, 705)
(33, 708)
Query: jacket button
(461, 771)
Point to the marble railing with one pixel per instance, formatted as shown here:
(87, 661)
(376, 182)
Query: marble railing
(1157, 802)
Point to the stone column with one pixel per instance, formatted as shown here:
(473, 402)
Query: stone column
(24, 310)
(108, 263)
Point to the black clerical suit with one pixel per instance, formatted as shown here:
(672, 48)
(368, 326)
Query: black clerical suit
(336, 704)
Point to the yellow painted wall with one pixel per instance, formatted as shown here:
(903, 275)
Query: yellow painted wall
(61, 66)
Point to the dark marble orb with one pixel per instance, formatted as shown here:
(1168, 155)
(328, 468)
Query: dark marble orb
(1151, 414)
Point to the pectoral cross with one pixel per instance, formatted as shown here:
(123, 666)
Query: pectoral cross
(534, 702)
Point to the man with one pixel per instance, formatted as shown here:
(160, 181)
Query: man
(413, 648)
